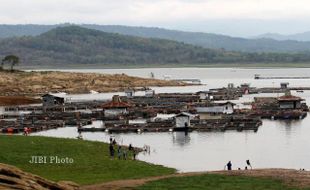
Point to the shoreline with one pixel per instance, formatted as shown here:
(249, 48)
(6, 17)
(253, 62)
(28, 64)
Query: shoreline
(37, 83)
(290, 177)
(154, 173)
(219, 65)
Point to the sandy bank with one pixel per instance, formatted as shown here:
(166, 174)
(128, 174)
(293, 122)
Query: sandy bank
(37, 83)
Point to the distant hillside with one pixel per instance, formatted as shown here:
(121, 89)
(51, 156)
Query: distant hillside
(77, 45)
(303, 37)
(205, 40)
(7, 31)
(208, 40)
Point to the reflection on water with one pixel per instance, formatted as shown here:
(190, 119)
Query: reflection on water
(181, 138)
(277, 144)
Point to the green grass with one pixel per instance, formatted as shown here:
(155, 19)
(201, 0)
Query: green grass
(92, 163)
(216, 182)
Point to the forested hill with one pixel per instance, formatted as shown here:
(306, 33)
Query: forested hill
(305, 36)
(209, 40)
(206, 40)
(77, 45)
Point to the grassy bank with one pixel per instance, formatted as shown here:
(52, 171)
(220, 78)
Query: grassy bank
(91, 160)
(217, 182)
(92, 165)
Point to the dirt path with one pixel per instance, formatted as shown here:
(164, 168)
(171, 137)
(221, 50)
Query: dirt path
(131, 183)
(289, 177)
(294, 178)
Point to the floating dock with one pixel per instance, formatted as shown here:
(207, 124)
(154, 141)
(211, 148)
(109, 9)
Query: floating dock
(189, 81)
(281, 77)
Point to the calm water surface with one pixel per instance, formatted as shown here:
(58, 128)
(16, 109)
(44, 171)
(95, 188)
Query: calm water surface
(277, 144)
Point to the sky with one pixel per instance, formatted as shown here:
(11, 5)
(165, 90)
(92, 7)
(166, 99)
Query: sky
(231, 17)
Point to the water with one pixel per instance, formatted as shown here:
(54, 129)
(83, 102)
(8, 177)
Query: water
(277, 144)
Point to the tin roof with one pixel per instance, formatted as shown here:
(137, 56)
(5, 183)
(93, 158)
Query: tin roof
(289, 98)
(212, 104)
(57, 95)
(184, 114)
(116, 103)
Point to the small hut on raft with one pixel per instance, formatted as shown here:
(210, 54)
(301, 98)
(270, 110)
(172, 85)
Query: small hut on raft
(116, 107)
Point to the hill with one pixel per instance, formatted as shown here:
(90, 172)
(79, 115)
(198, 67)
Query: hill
(77, 45)
(209, 40)
(206, 40)
(74, 45)
(303, 37)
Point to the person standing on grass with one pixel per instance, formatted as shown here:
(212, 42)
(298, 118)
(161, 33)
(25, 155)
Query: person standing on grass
(119, 152)
(111, 148)
(26, 131)
(130, 147)
(134, 153)
(124, 154)
(229, 166)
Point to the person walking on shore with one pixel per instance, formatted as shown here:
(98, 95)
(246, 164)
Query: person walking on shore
(248, 163)
(228, 165)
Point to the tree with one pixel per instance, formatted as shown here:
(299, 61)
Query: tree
(2, 63)
(12, 60)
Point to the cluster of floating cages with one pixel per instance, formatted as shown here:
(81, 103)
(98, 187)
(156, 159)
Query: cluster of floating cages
(146, 107)
(14, 127)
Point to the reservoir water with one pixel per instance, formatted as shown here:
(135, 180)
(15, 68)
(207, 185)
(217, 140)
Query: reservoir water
(277, 144)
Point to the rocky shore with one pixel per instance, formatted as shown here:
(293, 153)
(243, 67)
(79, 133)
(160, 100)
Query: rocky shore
(13, 178)
(20, 83)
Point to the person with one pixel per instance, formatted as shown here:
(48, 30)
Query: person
(130, 147)
(248, 163)
(111, 140)
(134, 154)
(111, 148)
(80, 135)
(124, 154)
(119, 152)
(114, 142)
(26, 132)
(246, 168)
(229, 165)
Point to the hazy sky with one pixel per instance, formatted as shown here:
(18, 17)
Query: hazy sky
(234, 17)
